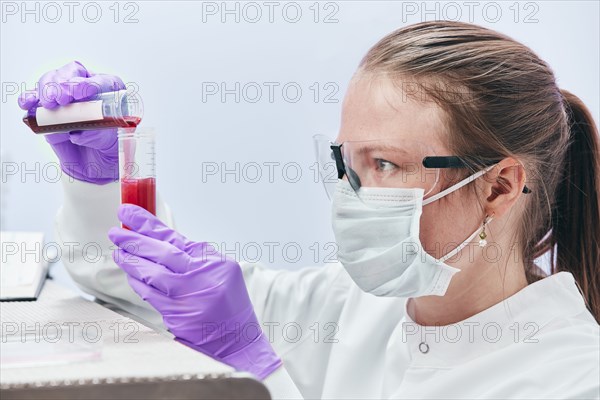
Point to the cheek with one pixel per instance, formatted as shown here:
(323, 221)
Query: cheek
(446, 223)
(433, 223)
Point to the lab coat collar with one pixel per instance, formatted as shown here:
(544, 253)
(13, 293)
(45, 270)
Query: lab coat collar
(519, 318)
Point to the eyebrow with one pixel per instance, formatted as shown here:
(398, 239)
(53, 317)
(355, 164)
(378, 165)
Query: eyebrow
(380, 147)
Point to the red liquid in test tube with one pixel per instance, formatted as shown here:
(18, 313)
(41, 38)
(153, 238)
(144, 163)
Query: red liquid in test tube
(141, 192)
(109, 122)
(136, 165)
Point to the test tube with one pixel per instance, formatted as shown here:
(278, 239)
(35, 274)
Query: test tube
(104, 110)
(137, 167)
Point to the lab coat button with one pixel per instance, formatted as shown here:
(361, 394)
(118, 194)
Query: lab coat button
(424, 348)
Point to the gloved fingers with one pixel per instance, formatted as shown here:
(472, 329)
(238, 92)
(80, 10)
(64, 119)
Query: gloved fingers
(104, 139)
(83, 88)
(50, 91)
(63, 96)
(73, 82)
(47, 95)
(71, 70)
(146, 223)
(148, 293)
(151, 249)
(204, 251)
(188, 312)
(148, 272)
(28, 99)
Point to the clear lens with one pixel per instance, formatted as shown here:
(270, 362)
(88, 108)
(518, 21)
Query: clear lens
(326, 164)
(388, 164)
(377, 164)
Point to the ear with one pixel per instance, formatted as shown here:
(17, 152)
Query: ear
(502, 186)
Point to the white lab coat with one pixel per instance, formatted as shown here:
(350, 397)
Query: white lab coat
(339, 342)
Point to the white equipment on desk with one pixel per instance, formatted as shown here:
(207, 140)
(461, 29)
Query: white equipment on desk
(65, 347)
(23, 265)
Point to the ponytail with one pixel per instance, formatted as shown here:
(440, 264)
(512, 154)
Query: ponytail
(576, 214)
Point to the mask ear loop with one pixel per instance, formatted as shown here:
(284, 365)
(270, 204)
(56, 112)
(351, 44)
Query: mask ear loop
(451, 189)
(457, 186)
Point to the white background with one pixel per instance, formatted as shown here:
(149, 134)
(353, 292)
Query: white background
(174, 47)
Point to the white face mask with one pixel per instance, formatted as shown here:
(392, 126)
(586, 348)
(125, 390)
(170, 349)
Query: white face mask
(380, 246)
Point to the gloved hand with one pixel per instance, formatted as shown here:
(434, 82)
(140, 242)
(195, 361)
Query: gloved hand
(90, 156)
(200, 293)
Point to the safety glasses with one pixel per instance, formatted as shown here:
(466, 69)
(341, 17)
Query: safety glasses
(384, 164)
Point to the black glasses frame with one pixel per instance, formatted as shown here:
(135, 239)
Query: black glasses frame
(428, 162)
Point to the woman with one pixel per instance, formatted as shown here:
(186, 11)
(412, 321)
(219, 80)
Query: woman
(461, 162)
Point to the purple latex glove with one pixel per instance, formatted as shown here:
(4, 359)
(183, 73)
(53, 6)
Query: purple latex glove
(90, 156)
(200, 293)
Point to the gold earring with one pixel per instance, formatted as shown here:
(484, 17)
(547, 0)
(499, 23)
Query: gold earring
(482, 234)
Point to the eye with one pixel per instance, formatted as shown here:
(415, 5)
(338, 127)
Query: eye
(384, 165)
